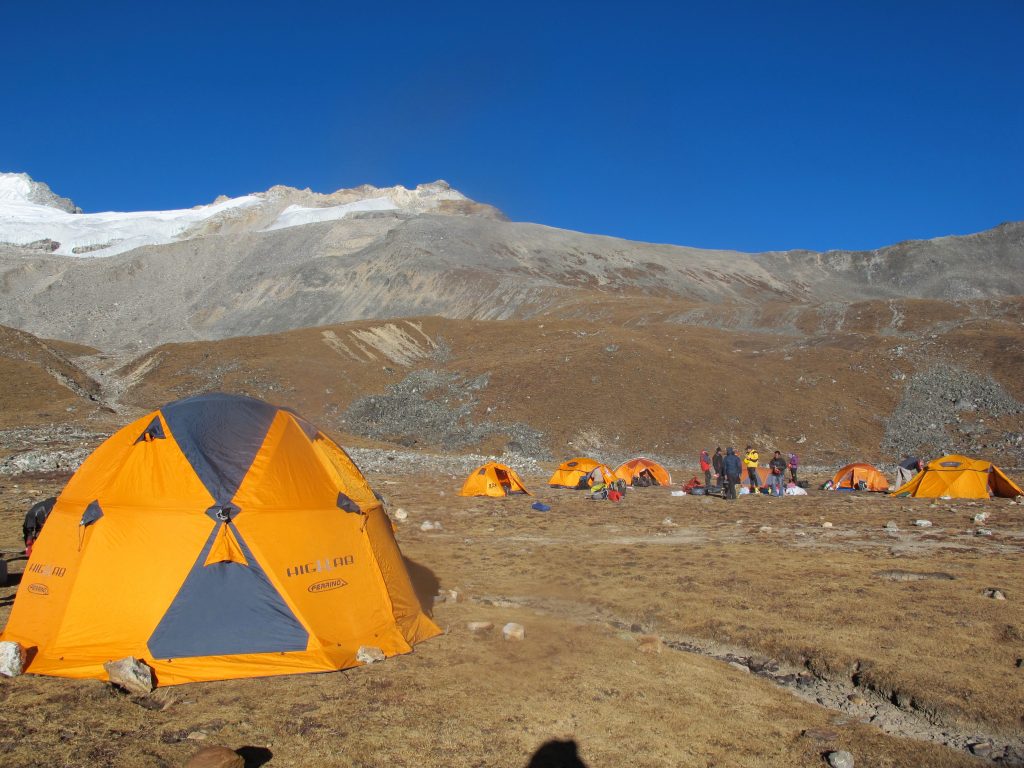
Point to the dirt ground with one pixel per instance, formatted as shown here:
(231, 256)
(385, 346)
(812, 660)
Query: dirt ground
(848, 636)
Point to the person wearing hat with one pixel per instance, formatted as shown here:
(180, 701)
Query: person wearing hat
(733, 472)
(716, 464)
(750, 462)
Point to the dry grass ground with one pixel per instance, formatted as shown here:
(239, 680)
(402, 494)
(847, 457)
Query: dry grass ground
(589, 580)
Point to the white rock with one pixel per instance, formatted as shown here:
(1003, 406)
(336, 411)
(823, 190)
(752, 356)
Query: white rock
(368, 654)
(131, 674)
(12, 658)
(891, 526)
(826, 524)
(981, 517)
(923, 523)
(840, 759)
(426, 525)
(479, 626)
(400, 514)
(438, 526)
(513, 631)
(667, 521)
(765, 529)
(983, 532)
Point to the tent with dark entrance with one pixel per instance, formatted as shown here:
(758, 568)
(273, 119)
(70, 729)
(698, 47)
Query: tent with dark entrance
(493, 479)
(580, 473)
(218, 537)
(959, 477)
(859, 477)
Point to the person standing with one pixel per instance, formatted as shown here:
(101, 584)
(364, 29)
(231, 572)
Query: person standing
(906, 469)
(716, 464)
(733, 471)
(777, 473)
(750, 462)
(794, 462)
(705, 467)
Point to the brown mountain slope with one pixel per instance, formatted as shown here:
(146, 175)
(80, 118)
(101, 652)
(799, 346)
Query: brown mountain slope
(629, 384)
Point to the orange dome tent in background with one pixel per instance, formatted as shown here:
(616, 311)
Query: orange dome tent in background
(493, 479)
(960, 477)
(570, 473)
(852, 475)
(629, 470)
(217, 537)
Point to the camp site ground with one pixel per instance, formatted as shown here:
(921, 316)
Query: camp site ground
(658, 631)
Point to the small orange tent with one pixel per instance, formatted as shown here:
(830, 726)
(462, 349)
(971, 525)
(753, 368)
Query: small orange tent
(628, 470)
(852, 475)
(960, 477)
(570, 473)
(218, 537)
(762, 475)
(493, 479)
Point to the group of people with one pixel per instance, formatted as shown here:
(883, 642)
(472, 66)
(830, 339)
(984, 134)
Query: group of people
(727, 471)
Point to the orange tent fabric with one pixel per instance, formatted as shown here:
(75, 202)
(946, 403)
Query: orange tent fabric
(569, 473)
(960, 477)
(493, 479)
(218, 537)
(853, 474)
(762, 475)
(630, 469)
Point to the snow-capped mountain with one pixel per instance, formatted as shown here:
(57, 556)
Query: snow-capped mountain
(32, 215)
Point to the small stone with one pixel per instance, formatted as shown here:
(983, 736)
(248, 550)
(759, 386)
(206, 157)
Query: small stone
(765, 529)
(196, 736)
(740, 667)
(131, 674)
(649, 644)
(400, 514)
(426, 525)
(12, 658)
(995, 594)
(819, 734)
(453, 596)
(826, 524)
(368, 654)
(983, 532)
(762, 663)
(479, 626)
(216, 757)
(856, 699)
(981, 517)
(513, 631)
(667, 521)
(980, 748)
(891, 526)
(923, 523)
(840, 759)
(438, 526)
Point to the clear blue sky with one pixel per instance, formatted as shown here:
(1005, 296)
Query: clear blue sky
(749, 125)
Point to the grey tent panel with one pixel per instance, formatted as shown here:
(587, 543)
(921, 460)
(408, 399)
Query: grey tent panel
(220, 435)
(345, 503)
(155, 431)
(224, 609)
(92, 513)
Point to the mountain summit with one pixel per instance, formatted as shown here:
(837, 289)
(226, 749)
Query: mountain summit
(32, 215)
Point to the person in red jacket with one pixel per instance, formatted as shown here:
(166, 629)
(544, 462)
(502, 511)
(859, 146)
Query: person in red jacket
(705, 467)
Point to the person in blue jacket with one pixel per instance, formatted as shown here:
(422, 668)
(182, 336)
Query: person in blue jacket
(733, 469)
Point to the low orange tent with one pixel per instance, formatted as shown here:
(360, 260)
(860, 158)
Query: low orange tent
(960, 477)
(493, 479)
(217, 537)
(570, 473)
(629, 470)
(762, 475)
(852, 475)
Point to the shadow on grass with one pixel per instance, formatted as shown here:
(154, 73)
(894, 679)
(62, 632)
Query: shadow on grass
(424, 583)
(254, 756)
(557, 754)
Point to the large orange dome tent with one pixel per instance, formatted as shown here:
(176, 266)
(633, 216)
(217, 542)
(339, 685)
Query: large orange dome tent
(959, 477)
(217, 537)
